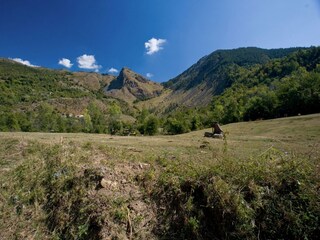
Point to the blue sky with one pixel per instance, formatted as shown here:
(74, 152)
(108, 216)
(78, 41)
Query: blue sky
(160, 38)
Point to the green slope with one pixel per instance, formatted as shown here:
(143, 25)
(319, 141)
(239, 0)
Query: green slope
(39, 99)
(212, 68)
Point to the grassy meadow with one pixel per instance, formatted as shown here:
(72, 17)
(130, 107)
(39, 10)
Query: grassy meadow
(260, 182)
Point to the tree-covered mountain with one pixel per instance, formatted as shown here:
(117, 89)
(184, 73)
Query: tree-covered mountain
(211, 74)
(39, 99)
(278, 83)
(227, 86)
(22, 84)
(281, 87)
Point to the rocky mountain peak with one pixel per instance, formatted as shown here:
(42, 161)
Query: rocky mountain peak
(132, 86)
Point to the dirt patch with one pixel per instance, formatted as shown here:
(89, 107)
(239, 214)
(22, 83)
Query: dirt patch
(131, 216)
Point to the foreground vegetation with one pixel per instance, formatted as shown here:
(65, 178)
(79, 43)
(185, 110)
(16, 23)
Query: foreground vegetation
(261, 181)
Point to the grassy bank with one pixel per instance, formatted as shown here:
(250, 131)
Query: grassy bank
(262, 182)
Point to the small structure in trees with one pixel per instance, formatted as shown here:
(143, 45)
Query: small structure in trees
(216, 131)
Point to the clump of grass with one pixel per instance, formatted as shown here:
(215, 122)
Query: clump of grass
(51, 190)
(271, 196)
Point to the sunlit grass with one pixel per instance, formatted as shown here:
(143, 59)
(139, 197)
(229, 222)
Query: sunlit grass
(262, 180)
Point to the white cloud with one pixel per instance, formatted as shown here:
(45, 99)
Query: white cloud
(154, 45)
(24, 62)
(65, 62)
(88, 62)
(113, 70)
(149, 75)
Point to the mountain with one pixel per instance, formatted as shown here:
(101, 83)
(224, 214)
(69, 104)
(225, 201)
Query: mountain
(227, 86)
(40, 99)
(130, 86)
(212, 74)
(26, 87)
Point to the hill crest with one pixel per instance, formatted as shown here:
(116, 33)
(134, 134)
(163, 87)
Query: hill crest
(131, 86)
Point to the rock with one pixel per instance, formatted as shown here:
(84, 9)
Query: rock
(108, 184)
(216, 135)
(144, 165)
(208, 134)
(123, 181)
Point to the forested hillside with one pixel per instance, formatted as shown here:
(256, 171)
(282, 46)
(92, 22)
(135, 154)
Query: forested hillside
(211, 74)
(38, 99)
(225, 86)
(212, 68)
(281, 87)
(286, 85)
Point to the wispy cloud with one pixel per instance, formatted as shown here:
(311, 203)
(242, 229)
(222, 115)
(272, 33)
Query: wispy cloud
(154, 45)
(65, 62)
(113, 70)
(149, 75)
(24, 62)
(88, 62)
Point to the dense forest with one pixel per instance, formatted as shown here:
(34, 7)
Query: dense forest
(282, 87)
(276, 85)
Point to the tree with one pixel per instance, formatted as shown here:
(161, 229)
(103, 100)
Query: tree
(87, 121)
(99, 123)
(24, 122)
(262, 106)
(174, 126)
(151, 125)
(195, 122)
(114, 109)
(46, 118)
(115, 126)
(12, 122)
(143, 115)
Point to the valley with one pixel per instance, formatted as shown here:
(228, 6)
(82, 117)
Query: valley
(85, 155)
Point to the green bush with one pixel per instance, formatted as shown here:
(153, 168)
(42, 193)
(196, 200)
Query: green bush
(151, 125)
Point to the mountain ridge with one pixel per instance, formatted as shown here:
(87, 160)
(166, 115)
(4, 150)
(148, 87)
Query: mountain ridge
(131, 86)
(196, 86)
(209, 76)
(227, 86)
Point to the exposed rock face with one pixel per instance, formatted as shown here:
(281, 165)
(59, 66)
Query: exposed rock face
(130, 86)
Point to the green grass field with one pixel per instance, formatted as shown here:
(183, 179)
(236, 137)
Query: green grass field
(261, 181)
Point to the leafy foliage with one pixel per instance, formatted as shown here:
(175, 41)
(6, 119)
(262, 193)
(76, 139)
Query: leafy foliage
(284, 87)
